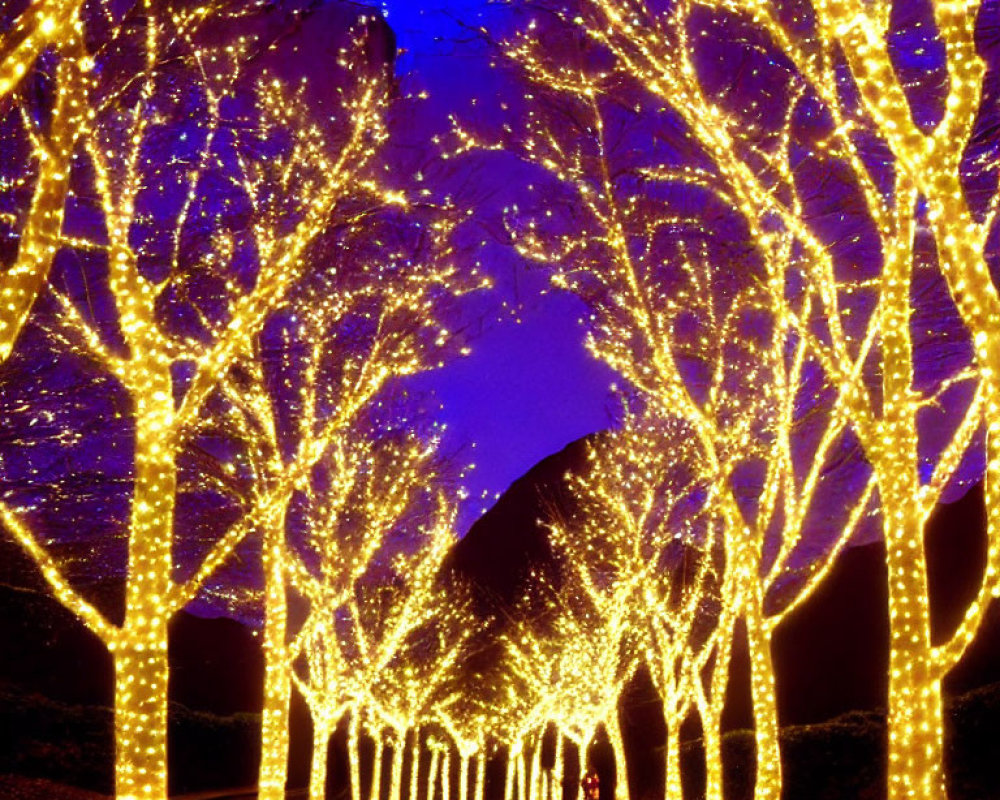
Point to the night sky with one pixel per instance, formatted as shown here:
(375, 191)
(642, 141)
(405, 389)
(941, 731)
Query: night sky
(529, 387)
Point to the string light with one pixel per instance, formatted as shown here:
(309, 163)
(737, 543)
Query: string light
(306, 179)
(761, 335)
(40, 236)
(372, 489)
(642, 526)
(574, 669)
(609, 254)
(45, 22)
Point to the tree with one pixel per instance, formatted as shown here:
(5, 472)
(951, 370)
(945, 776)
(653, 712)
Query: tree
(857, 36)
(465, 719)
(410, 636)
(306, 400)
(210, 197)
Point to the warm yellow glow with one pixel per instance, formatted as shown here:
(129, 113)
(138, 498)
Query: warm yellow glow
(374, 487)
(295, 195)
(608, 256)
(43, 23)
(41, 234)
(709, 407)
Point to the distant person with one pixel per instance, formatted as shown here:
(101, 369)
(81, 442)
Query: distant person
(591, 786)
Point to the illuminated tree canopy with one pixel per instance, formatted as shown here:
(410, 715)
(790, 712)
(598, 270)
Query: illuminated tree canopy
(218, 287)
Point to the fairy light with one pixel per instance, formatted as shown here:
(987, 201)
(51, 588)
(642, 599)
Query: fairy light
(466, 728)
(43, 23)
(636, 329)
(932, 164)
(608, 255)
(40, 236)
(373, 488)
(636, 500)
(411, 645)
(294, 194)
(577, 687)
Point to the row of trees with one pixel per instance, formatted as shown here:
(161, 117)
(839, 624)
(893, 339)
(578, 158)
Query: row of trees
(780, 233)
(210, 240)
(793, 272)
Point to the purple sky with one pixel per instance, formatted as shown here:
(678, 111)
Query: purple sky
(529, 387)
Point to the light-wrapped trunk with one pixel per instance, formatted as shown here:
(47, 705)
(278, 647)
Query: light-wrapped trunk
(522, 775)
(673, 790)
(535, 779)
(711, 715)
(140, 652)
(511, 774)
(414, 763)
(463, 776)
(558, 767)
(432, 773)
(581, 749)
(353, 756)
(277, 675)
(916, 756)
(141, 672)
(322, 731)
(375, 789)
(762, 690)
(614, 731)
(765, 711)
(480, 791)
(396, 778)
(446, 775)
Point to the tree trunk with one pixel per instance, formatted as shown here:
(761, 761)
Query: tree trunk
(535, 779)
(765, 706)
(558, 767)
(672, 789)
(140, 652)
(480, 791)
(582, 747)
(277, 678)
(463, 777)
(432, 774)
(353, 756)
(414, 763)
(396, 779)
(713, 756)
(375, 788)
(322, 731)
(141, 672)
(446, 775)
(508, 783)
(711, 715)
(522, 774)
(614, 732)
(916, 757)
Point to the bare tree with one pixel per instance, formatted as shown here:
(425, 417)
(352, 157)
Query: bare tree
(643, 524)
(189, 295)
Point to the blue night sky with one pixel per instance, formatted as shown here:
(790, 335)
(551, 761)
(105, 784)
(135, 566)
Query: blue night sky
(529, 387)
